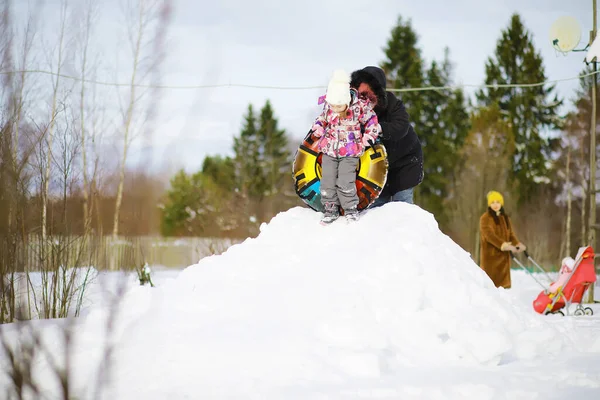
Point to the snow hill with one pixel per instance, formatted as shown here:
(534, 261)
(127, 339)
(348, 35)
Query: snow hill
(306, 303)
(387, 307)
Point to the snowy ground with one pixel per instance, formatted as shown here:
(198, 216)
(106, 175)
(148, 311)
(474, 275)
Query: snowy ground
(386, 308)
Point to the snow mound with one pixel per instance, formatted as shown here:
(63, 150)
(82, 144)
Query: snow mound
(310, 302)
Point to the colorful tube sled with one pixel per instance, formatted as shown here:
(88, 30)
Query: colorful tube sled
(371, 173)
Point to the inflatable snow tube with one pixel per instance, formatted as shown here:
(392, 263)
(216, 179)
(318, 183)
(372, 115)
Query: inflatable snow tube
(371, 173)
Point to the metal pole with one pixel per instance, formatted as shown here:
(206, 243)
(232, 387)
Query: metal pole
(592, 230)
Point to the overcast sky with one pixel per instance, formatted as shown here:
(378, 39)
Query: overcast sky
(299, 43)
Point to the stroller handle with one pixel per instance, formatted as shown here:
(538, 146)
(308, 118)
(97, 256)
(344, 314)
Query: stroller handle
(514, 257)
(520, 264)
(512, 254)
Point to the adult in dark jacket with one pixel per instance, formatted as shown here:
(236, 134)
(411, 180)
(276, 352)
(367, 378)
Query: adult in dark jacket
(405, 156)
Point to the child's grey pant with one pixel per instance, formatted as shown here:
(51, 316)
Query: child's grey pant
(338, 183)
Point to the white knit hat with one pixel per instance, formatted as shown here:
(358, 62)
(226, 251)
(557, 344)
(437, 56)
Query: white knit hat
(569, 263)
(338, 90)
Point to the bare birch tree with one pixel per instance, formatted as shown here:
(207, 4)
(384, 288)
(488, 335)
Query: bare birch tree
(53, 112)
(147, 17)
(86, 33)
(16, 147)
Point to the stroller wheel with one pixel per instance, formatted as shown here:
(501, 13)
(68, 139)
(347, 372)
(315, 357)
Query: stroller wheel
(588, 311)
(579, 312)
(559, 312)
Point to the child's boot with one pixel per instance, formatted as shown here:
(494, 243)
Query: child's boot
(351, 214)
(330, 213)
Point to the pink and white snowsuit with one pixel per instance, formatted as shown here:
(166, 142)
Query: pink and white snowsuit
(343, 137)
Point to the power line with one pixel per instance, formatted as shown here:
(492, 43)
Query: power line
(146, 86)
(495, 86)
(226, 85)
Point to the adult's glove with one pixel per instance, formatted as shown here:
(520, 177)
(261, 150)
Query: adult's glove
(507, 246)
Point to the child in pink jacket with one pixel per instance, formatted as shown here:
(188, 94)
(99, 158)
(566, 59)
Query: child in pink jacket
(565, 271)
(344, 128)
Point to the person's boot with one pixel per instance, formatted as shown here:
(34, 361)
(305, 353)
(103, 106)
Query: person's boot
(351, 214)
(330, 213)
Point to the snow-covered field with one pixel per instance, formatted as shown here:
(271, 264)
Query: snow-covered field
(386, 308)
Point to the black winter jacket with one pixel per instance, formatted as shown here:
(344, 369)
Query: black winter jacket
(405, 155)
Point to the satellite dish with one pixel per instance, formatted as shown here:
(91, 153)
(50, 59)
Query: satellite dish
(565, 34)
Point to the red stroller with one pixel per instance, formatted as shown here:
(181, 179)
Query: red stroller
(579, 278)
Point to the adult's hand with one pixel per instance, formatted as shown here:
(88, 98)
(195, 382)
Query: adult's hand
(507, 246)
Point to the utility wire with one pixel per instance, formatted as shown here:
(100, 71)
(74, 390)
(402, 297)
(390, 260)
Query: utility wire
(226, 85)
(494, 86)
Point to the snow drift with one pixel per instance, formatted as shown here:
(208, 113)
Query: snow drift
(386, 306)
(303, 302)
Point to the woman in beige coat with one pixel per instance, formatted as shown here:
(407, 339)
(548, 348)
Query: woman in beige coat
(497, 241)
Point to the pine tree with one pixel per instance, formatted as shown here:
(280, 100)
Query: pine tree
(440, 117)
(404, 66)
(529, 110)
(275, 161)
(246, 149)
(445, 126)
(204, 203)
(221, 170)
(275, 156)
(182, 199)
(263, 163)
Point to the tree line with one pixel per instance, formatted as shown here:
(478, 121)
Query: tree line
(511, 139)
(63, 160)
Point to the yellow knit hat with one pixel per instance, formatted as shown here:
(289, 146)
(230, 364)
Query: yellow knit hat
(495, 196)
